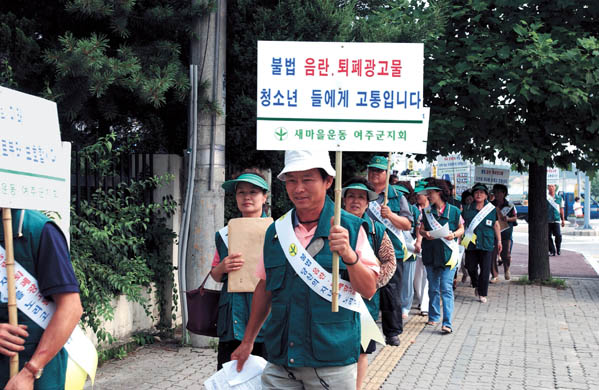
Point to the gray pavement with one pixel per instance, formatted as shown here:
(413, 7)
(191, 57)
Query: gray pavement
(525, 337)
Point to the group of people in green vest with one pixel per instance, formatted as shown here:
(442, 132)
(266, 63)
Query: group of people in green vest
(384, 231)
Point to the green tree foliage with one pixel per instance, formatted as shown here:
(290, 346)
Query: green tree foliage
(110, 65)
(519, 78)
(120, 244)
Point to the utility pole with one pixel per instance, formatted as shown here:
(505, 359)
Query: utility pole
(208, 52)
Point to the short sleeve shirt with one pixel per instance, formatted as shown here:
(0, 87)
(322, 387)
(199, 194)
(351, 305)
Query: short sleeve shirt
(55, 274)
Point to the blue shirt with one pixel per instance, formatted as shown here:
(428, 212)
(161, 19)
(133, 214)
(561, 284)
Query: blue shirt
(53, 264)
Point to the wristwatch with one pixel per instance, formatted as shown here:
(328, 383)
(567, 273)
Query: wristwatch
(36, 372)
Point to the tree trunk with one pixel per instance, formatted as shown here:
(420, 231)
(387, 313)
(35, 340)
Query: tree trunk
(538, 243)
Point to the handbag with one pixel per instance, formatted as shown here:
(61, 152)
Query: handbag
(202, 310)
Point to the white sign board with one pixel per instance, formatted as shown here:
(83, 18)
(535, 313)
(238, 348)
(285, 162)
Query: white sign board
(341, 96)
(553, 176)
(492, 175)
(453, 161)
(32, 167)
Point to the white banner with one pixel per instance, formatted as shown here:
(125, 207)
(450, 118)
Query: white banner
(32, 170)
(552, 176)
(492, 175)
(341, 96)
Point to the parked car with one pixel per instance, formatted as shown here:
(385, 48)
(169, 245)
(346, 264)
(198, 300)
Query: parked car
(522, 206)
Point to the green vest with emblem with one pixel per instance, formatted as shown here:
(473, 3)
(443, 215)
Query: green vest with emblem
(26, 250)
(302, 331)
(375, 232)
(554, 215)
(485, 233)
(233, 308)
(434, 252)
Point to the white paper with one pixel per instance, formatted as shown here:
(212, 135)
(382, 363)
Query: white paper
(228, 377)
(440, 233)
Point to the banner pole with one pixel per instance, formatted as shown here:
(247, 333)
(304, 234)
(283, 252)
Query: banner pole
(387, 180)
(336, 221)
(10, 279)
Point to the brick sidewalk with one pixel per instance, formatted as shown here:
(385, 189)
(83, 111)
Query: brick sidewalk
(569, 264)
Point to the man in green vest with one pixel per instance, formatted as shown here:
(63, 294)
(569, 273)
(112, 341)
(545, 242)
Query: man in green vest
(397, 210)
(307, 345)
(555, 218)
(41, 249)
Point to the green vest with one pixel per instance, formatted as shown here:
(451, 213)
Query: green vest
(553, 215)
(233, 308)
(485, 232)
(26, 250)
(375, 232)
(302, 331)
(394, 204)
(434, 252)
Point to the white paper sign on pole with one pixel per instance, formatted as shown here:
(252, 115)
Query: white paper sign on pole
(32, 174)
(453, 161)
(341, 96)
(492, 175)
(553, 176)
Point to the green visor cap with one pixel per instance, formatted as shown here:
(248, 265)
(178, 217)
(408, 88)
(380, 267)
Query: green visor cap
(432, 188)
(379, 162)
(401, 188)
(419, 189)
(231, 185)
(480, 187)
(359, 186)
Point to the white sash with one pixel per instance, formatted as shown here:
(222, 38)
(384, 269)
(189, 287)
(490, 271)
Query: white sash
(31, 302)
(320, 280)
(552, 202)
(506, 210)
(224, 234)
(451, 244)
(375, 209)
(469, 236)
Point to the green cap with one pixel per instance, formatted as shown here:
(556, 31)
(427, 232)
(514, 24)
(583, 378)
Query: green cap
(419, 189)
(432, 188)
(480, 187)
(401, 188)
(230, 185)
(359, 186)
(379, 162)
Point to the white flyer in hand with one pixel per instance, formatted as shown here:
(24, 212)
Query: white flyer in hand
(250, 378)
(440, 233)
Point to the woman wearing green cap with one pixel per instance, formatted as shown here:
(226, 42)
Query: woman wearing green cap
(357, 192)
(250, 191)
(482, 230)
(439, 253)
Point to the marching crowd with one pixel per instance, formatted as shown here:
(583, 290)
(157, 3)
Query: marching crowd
(400, 247)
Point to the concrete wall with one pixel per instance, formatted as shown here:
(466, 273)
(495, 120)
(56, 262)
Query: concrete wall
(129, 317)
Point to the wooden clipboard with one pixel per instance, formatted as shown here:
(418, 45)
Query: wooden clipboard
(246, 236)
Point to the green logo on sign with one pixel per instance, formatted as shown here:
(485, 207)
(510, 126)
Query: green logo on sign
(281, 133)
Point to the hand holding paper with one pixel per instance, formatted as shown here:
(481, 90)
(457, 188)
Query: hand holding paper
(440, 233)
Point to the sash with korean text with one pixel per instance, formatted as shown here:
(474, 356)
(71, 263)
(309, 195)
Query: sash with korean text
(552, 202)
(30, 302)
(456, 253)
(407, 246)
(469, 236)
(224, 234)
(320, 280)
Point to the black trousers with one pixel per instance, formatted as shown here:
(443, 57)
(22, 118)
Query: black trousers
(226, 348)
(475, 259)
(555, 230)
(391, 305)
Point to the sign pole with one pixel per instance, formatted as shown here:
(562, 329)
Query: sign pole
(387, 180)
(336, 221)
(10, 278)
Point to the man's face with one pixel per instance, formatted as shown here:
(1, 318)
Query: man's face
(307, 189)
(356, 201)
(377, 177)
(551, 189)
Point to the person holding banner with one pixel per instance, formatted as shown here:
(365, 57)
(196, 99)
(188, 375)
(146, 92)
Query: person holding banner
(250, 191)
(397, 217)
(356, 195)
(482, 231)
(40, 248)
(440, 254)
(308, 346)
(506, 214)
(555, 214)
